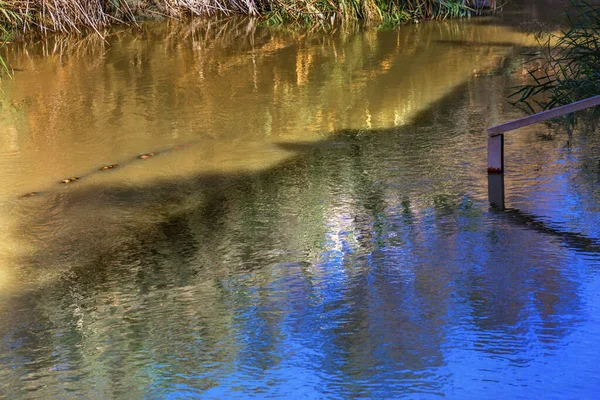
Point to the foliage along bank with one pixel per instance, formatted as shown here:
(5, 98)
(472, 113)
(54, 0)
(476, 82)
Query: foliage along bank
(72, 15)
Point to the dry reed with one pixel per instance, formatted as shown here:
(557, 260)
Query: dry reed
(73, 15)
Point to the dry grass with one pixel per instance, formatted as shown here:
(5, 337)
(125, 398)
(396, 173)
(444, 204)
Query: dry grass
(73, 15)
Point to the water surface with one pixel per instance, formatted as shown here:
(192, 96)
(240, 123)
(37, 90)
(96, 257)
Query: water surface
(314, 222)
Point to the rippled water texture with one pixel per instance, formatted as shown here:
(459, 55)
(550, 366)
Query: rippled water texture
(313, 222)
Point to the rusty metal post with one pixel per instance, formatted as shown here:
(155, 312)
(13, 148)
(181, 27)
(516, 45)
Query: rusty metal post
(496, 154)
(496, 171)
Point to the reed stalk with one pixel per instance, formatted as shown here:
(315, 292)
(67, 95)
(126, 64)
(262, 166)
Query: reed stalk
(567, 68)
(74, 15)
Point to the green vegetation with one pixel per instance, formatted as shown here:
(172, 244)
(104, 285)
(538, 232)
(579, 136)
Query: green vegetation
(9, 19)
(72, 15)
(373, 12)
(567, 69)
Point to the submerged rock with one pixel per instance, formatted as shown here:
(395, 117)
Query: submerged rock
(109, 166)
(69, 180)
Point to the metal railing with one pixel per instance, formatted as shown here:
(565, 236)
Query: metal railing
(495, 145)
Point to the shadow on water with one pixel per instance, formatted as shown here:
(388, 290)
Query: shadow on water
(341, 270)
(532, 16)
(470, 43)
(572, 240)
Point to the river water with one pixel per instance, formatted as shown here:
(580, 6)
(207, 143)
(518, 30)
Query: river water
(310, 221)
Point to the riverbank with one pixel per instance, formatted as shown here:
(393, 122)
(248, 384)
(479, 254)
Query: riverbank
(45, 16)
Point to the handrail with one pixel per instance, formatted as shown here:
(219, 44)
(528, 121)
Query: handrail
(543, 116)
(495, 146)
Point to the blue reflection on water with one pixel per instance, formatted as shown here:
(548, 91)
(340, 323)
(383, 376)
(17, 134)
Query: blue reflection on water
(447, 306)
